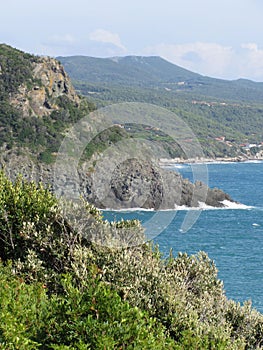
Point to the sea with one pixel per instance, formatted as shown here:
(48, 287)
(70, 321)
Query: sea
(232, 237)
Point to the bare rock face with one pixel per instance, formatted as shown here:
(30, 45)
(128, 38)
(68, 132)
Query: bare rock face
(40, 99)
(54, 78)
(132, 184)
(135, 184)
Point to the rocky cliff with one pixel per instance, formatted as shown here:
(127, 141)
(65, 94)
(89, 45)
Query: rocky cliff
(131, 185)
(39, 104)
(134, 184)
(49, 82)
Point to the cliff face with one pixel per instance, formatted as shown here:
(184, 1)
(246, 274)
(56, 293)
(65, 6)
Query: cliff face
(50, 81)
(145, 185)
(131, 185)
(39, 104)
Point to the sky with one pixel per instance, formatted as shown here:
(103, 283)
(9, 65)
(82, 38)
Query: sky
(217, 38)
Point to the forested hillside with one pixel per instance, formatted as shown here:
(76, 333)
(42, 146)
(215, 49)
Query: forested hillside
(225, 115)
(156, 72)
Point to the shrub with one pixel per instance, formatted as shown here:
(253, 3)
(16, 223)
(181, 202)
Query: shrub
(23, 310)
(183, 293)
(22, 204)
(91, 318)
(112, 296)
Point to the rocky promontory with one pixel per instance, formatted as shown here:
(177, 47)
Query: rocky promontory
(39, 104)
(132, 184)
(135, 184)
(49, 82)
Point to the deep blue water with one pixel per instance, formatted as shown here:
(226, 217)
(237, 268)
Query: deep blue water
(233, 238)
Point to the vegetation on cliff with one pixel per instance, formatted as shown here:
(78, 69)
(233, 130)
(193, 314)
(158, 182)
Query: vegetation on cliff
(37, 103)
(59, 290)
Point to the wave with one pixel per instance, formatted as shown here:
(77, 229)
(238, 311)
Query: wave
(255, 161)
(202, 206)
(234, 205)
(212, 162)
(227, 205)
(175, 166)
(127, 210)
(216, 162)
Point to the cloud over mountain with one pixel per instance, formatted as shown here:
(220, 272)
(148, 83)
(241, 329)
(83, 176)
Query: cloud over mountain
(105, 36)
(214, 59)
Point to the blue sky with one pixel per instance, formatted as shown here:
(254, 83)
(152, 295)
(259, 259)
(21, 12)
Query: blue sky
(219, 38)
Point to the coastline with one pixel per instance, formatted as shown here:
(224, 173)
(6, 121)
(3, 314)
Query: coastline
(203, 160)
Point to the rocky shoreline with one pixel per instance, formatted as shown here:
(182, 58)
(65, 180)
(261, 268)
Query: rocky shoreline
(238, 159)
(132, 184)
(146, 185)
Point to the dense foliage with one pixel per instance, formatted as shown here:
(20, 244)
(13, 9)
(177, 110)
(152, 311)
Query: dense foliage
(42, 135)
(61, 291)
(15, 69)
(212, 107)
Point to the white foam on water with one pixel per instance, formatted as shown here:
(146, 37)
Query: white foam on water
(227, 205)
(202, 206)
(186, 163)
(175, 166)
(234, 205)
(253, 161)
(123, 210)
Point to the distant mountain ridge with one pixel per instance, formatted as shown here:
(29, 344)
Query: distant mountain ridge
(156, 72)
(226, 116)
(129, 70)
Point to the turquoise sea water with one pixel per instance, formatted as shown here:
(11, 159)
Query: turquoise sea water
(233, 238)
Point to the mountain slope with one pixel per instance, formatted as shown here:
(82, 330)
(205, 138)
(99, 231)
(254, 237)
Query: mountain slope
(130, 70)
(155, 72)
(223, 114)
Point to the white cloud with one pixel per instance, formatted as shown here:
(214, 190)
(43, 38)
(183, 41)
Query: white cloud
(250, 46)
(206, 58)
(213, 59)
(104, 36)
(252, 61)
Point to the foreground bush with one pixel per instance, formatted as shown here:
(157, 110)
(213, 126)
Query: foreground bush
(60, 291)
(92, 318)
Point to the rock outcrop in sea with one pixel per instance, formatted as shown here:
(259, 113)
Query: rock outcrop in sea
(132, 184)
(146, 185)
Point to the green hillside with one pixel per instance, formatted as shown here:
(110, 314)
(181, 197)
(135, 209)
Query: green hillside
(213, 108)
(155, 72)
(130, 70)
